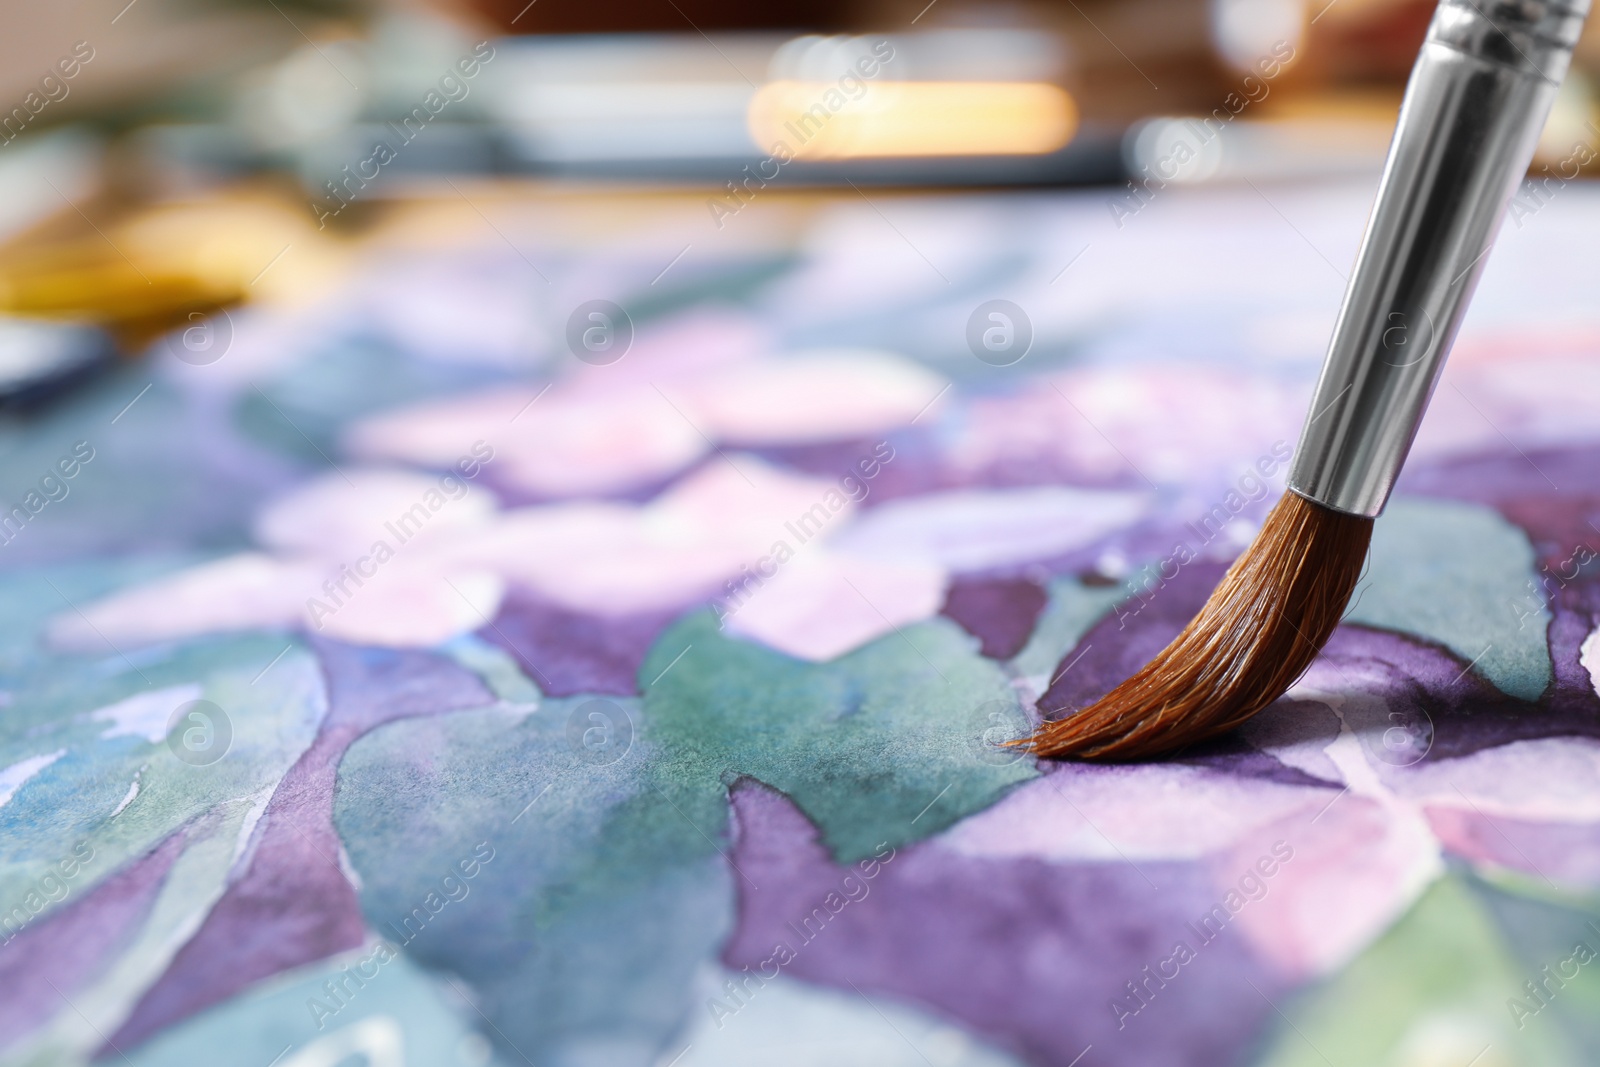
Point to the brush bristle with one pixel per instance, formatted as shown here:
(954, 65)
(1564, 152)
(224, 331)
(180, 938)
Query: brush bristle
(1258, 632)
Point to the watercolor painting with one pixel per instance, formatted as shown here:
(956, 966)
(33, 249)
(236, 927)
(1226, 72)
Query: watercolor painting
(507, 658)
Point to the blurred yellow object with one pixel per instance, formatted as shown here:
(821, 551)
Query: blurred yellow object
(143, 274)
(1378, 107)
(819, 120)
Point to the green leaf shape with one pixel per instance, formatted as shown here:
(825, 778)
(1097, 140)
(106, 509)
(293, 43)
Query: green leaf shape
(30, 599)
(86, 797)
(882, 744)
(497, 668)
(400, 1014)
(273, 719)
(1436, 989)
(192, 888)
(609, 888)
(1459, 574)
(584, 930)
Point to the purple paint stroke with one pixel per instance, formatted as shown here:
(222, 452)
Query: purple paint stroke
(1232, 754)
(920, 465)
(73, 945)
(567, 652)
(999, 612)
(915, 469)
(1568, 854)
(1468, 714)
(293, 905)
(1491, 476)
(1026, 954)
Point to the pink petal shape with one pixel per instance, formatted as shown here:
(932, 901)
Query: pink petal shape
(1358, 863)
(560, 444)
(618, 559)
(412, 607)
(812, 397)
(1498, 387)
(244, 592)
(1176, 423)
(1156, 811)
(1565, 853)
(338, 516)
(975, 529)
(600, 429)
(821, 605)
(1548, 779)
(688, 347)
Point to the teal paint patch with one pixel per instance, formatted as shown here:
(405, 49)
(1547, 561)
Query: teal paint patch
(1458, 574)
(87, 794)
(608, 818)
(814, 1024)
(116, 785)
(499, 671)
(883, 744)
(381, 1012)
(537, 857)
(30, 598)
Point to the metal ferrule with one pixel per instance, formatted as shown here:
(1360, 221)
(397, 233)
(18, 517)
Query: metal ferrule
(1473, 110)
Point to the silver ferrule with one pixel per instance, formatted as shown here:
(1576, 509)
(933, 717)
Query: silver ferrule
(1473, 110)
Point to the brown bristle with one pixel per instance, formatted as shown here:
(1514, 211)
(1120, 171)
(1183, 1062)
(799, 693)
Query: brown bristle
(1255, 636)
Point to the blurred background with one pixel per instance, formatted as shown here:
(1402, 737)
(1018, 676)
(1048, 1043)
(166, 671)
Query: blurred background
(155, 155)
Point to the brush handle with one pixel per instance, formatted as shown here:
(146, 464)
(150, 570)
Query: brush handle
(1473, 110)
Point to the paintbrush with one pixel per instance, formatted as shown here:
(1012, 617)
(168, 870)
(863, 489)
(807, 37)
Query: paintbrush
(1474, 106)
